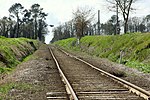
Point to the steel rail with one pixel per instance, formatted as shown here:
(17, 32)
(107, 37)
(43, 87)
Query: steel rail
(68, 86)
(132, 88)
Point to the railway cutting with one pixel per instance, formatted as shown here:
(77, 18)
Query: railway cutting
(89, 83)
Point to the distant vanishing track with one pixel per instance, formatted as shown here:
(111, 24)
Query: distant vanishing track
(86, 82)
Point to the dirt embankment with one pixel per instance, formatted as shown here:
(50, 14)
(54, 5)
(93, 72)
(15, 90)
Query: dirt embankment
(13, 51)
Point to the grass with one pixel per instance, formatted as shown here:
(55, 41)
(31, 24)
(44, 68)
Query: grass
(140, 66)
(133, 48)
(13, 51)
(29, 58)
(6, 88)
(3, 69)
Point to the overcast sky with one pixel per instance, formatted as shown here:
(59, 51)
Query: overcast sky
(61, 10)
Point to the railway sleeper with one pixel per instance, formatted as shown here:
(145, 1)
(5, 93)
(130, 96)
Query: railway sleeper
(56, 96)
(106, 95)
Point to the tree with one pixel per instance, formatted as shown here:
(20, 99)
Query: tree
(142, 27)
(42, 29)
(125, 8)
(82, 18)
(136, 24)
(42, 25)
(115, 24)
(6, 27)
(57, 33)
(63, 31)
(109, 27)
(35, 18)
(35, 11)
(16, 9)
(71, 28)
(147, 22)
(27, 26)
(34, 22)
(28, 23)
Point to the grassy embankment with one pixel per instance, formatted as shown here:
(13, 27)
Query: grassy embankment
(13, 51)
(132, 49)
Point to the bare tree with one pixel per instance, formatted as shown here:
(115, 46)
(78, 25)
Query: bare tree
(5, 26)
(82, 19)
(125, 8)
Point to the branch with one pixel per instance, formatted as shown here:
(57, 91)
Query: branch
(109, 1)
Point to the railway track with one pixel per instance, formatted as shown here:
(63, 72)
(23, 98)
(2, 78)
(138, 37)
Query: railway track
(84, 81)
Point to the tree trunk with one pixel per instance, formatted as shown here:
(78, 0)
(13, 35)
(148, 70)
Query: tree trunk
(17, 27)
(35, 31)
(40, 31)
(126, 23)
(125, 27)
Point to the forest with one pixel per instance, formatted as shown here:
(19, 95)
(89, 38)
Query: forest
(21, 22)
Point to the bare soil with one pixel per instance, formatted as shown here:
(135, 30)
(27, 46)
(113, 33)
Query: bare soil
(40, 76)
(33, 79)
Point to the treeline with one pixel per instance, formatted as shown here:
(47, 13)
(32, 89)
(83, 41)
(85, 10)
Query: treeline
(79, 26)
(69, 29)
(21, 22)
(135, 24)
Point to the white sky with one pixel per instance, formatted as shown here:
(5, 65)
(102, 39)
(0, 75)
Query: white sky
(61, 10)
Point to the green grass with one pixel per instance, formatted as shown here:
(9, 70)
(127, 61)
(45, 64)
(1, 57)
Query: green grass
(3, 69)
(140, 66)
(20, 86)
(6, 88)
(29, 58)
(69, 44)
(135, 48)
(13, 51)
